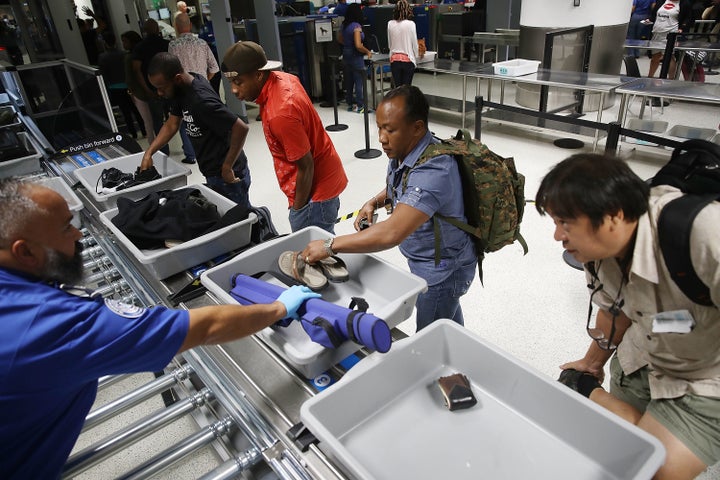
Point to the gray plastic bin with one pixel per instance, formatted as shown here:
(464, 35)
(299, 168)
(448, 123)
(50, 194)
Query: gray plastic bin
(684, 131)
(14, 120)
(164, 262)
(390, 292)
(385, 419)
(22, 165)
(61, 187)
(173, 175)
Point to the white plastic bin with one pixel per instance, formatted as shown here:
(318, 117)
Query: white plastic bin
(427, 58)
(61, 187)
(173, 175)
(389, 291)
(164, 262)
(516, 68)
(22, 165)
(386, 418)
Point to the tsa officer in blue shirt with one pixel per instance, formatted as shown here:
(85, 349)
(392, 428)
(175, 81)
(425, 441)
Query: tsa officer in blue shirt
(54, 345)
(432, 187)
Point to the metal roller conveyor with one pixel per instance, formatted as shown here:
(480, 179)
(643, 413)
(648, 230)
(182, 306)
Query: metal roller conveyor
(97, 452)
(185, 447)
(109, 380)
(136, 396)
(234, 467)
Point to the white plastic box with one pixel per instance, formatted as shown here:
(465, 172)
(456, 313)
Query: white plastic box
(173, 175)
(389, 291)
(427, 58)
(516, 68)
(164, 262)
(22, 165)
(61, 187)
(386, 419)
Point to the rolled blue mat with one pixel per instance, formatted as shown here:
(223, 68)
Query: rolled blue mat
(326, 323)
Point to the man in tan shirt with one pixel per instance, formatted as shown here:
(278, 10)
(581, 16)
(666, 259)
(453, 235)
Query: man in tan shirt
(665, 374)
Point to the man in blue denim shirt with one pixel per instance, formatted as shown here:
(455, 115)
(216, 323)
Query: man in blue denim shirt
(433, 187)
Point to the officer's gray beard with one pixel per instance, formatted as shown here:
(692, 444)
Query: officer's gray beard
(62, 268)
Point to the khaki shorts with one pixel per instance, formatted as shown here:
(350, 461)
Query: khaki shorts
(692, 419)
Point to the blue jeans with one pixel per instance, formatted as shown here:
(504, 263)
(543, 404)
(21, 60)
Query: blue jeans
(237, 192)
(321, 214)
(638, 31)
(354, 76)
(443, 300)
(187, 147)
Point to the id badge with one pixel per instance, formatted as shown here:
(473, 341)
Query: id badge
(675, 321)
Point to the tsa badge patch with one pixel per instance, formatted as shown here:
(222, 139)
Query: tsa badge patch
(127, 310)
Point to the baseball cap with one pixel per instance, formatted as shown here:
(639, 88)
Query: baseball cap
(246, 57)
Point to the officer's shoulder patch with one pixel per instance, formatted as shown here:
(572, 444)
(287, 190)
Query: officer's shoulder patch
(127, 310)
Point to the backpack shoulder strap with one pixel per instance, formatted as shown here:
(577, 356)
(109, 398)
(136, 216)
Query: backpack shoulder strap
(674, 226)
(445, 147)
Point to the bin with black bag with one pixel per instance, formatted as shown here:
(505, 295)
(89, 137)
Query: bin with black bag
(172, 230)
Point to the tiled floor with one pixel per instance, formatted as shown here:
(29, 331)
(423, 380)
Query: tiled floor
(533, 306)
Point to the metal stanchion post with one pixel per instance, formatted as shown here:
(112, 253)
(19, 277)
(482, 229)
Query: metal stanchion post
(368, 152)
(336, 127)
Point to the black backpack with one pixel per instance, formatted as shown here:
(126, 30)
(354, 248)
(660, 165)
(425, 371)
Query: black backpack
(694, 168)
(264, 229)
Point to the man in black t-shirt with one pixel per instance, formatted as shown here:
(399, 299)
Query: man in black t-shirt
(216, 133)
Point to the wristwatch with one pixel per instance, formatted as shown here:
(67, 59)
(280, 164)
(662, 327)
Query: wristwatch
(328, 246)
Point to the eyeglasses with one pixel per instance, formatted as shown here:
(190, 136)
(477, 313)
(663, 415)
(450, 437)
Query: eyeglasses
(605, 343)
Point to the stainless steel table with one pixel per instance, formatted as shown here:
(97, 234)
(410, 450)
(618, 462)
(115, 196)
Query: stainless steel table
(666, 88)
(377, 60)
(681, 46)
(507, 38)
(587, 82)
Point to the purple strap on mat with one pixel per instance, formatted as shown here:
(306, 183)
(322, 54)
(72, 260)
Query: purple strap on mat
(360, 327)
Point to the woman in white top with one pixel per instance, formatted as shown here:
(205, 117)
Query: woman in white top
(668, 16)
(403, 43)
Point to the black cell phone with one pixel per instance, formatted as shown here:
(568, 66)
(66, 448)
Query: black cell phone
(364, 223)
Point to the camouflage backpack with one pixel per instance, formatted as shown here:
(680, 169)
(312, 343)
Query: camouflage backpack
(493, 195)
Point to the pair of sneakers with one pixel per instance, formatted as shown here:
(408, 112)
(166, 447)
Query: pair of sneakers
(112, 179)
(357, 109)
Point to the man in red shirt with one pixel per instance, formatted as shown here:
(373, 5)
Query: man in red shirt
(308, 167)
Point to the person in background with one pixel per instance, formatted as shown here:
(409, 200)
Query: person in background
(668, 16)
(196, 57)
(92, 37)
(403, 43)
(351, 37)
(112, 66)
(341, 8)
(136, 89)
(308, 168)
(662, 347)
(416, 193)
(637, 30)
(9, 36)
(217, 134)
(54, 345)
(143, 52)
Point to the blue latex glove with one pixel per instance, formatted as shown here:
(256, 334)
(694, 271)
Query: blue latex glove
(295, 296)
